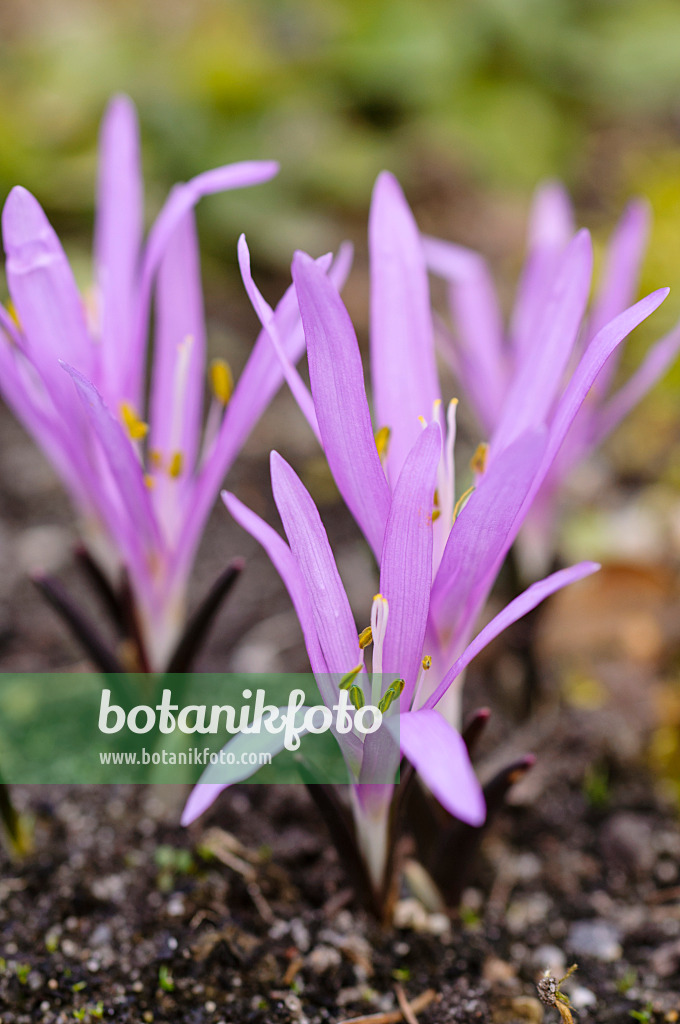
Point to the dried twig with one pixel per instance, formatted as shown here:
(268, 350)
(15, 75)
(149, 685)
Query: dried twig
(404, 1005)
(395, 1016)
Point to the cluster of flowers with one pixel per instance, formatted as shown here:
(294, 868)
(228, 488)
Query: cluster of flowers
(144, 475)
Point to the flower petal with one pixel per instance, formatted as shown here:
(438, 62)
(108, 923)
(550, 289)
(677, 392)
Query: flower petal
(333, 618)
(535, 386)
(283, 561)
(337, 381)
(266, 317)
(551, 226)
(403, 368)
(118, 234)
(182, 198)
(439, 755)
(206, 790)
(527, 600)
(177, 381)
(44, 294)
(592, 361)
(134, 517)
(652, 369)
(406, 563)
(477, 316)
(481, 537)
(261, 378)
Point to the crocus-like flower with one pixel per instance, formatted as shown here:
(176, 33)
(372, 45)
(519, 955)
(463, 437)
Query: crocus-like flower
(438, 554)
(142, 472)
(474, 531)
(518, 375)
(397, 634)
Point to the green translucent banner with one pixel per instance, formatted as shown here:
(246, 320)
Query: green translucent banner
(220, 728)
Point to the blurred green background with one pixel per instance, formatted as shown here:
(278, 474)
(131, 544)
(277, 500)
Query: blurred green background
(460, 98)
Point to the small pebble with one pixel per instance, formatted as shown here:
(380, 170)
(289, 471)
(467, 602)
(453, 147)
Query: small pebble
(581, 997)
(210, 1007)
(596, 938)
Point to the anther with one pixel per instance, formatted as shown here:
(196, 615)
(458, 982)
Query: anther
(221, 380)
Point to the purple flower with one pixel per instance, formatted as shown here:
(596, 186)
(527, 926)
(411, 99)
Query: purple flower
(549, 333)
(143, 474)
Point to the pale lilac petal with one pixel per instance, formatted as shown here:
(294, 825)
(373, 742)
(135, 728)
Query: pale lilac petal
(178, 371)
(551, 226)
(266, 317)
(439, 755)
(124, 466)
(337, 381)
(182, 198)
(592, 361)
(403, 369)
(379, 757)
(481, 537)
(406, 563)
(283, 561)
(477, 317)
(261, 378)
(535, 386)
(118, 234)
(619, 282)
(521, 605)
(23, 391)
(652, 369)
(333, 618)
(206, 790)
(44, 292)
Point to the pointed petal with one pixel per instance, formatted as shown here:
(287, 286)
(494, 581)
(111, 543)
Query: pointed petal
(342, 412)
(481, 537)
(477, 316)
(308, 541)
(551, 226)
(592, 361)
(266, 317)
(439, 755)
(44, 292)
(261, 378)
(125, 469)
(179, 354)
(283, 561)
(535, 387)
(206, 790)
(654, 366)
(403, 369)
(406, 563)
(624, 257)
(118, 233)
(527, 600)
(181, 199)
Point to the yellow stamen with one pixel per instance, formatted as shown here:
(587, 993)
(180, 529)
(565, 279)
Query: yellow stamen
(149, 481)
(427, 662)
(176, 465)
(136, 428)
(348, 679)
(155, 458)
(462, 501)
(365, 638)
(11, 309)
(382, 440)
(221, 380)
(422, 421)
(478, 460)
(356, 696)
(436, 514)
